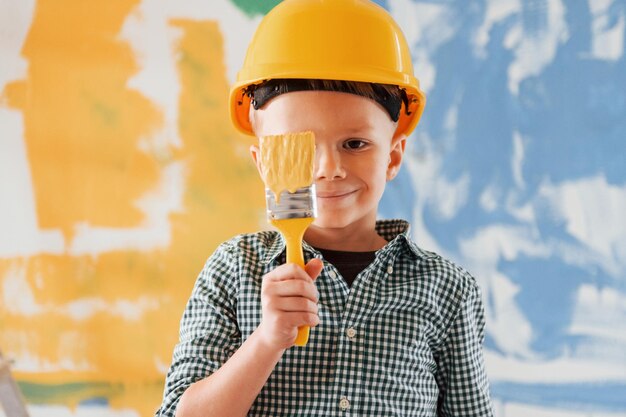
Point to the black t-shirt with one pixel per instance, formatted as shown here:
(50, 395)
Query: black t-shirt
(349, 264)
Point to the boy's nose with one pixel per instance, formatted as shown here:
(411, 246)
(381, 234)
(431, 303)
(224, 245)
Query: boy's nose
(328, 165)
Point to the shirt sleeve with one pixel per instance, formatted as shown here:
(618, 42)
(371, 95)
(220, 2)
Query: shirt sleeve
(463, 384)
(209, 334)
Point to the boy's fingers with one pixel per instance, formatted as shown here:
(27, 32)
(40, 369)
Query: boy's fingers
(296, 288)
(314, 267)
(285, 272)
(296, 304)
(302, 319)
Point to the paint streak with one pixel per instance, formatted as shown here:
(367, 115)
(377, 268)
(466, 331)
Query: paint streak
(82, 129)
(82, 123)
(255, 7)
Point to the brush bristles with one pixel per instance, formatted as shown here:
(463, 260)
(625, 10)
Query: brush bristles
(287, 161)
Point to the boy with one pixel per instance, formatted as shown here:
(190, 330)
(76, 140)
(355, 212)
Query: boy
(396, 330)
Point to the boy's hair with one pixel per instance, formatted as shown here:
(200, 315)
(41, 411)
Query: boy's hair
(390, 97)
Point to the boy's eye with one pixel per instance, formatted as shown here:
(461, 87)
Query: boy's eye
(353, 144)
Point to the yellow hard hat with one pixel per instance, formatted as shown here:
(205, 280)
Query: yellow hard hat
(350, 40)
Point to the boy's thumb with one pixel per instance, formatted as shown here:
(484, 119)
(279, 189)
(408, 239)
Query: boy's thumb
(314, 267)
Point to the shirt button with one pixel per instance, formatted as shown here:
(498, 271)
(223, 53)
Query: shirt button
(390, 269)
(332, 274)
(344, 404)
(351, 333)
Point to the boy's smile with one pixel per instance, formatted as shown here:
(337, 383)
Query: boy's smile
(356, 154)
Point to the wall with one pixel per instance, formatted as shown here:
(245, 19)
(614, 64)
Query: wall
(120, 173)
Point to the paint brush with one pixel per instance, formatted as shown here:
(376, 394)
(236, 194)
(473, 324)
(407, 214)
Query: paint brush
(287, 170)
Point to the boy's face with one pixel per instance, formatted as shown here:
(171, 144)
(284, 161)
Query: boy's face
(356, 151)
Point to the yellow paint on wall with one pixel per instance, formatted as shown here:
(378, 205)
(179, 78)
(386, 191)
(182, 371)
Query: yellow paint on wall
(82, 123)
(113, 318)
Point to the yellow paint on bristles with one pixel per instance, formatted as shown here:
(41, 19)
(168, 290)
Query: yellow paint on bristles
(287, 161)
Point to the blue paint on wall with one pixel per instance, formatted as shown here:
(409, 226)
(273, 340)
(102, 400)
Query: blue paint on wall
(570, 119)
(607, 397)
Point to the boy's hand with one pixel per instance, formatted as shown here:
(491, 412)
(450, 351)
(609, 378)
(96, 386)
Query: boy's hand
(289, 299)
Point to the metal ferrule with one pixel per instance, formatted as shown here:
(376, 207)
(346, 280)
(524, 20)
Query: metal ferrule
(302, 203)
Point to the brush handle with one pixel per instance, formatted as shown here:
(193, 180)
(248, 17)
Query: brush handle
(293, 231)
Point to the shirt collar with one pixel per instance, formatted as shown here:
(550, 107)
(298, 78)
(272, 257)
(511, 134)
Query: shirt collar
(395, 231)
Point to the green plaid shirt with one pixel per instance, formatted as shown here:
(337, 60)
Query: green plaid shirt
(405, 340)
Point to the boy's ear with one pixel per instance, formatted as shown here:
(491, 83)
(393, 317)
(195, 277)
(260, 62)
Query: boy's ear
(398, 144)
(255, 153)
